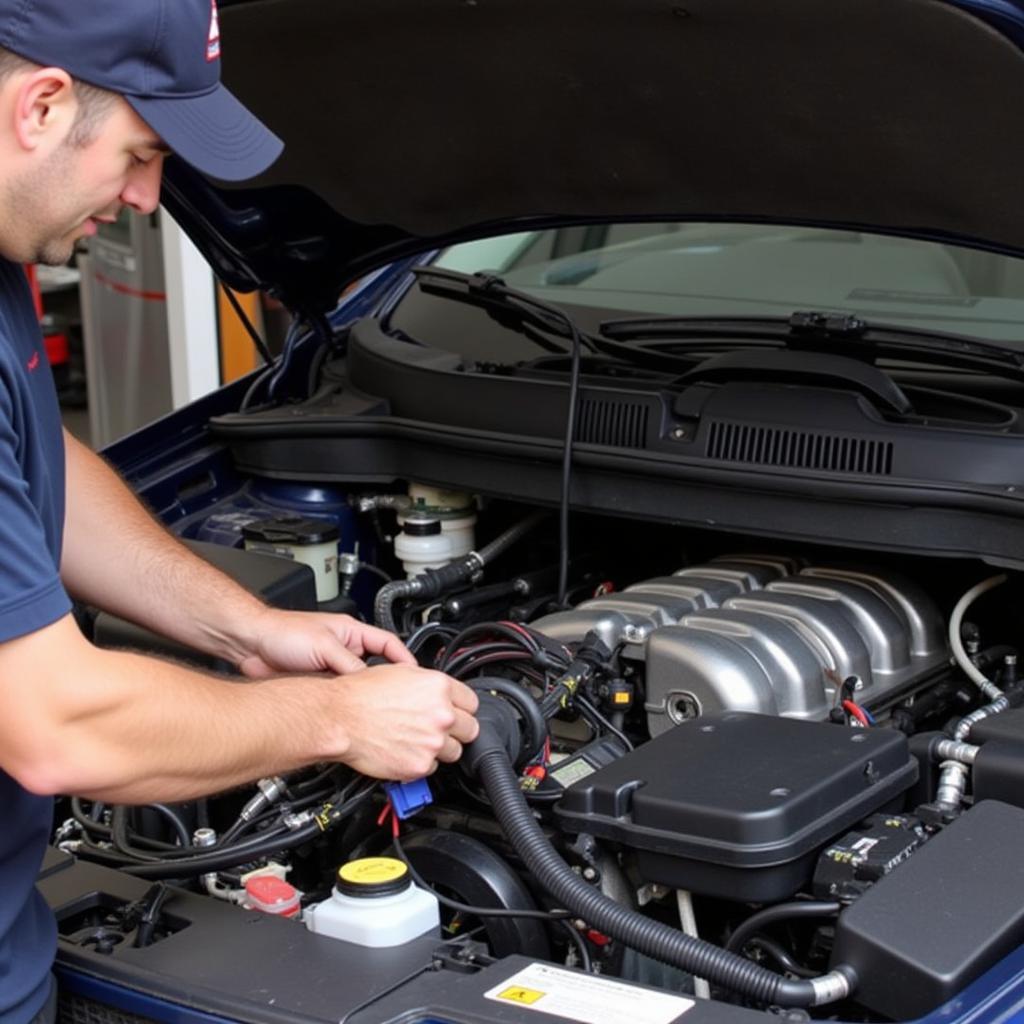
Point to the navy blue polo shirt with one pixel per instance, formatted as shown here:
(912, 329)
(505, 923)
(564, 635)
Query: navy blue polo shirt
(31, 596)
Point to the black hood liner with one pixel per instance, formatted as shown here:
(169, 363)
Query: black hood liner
(422, 120)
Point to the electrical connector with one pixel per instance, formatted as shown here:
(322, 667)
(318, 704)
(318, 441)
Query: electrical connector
(408, 797)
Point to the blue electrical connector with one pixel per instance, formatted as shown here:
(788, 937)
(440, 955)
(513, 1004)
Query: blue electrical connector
(408, 797)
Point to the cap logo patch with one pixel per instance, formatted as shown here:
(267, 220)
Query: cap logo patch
(213, 44)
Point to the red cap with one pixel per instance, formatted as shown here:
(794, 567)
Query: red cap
(272, 895)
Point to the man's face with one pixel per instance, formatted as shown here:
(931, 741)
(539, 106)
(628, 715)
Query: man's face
(76, 187)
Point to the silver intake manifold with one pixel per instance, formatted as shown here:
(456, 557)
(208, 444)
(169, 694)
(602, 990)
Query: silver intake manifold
(763, 634)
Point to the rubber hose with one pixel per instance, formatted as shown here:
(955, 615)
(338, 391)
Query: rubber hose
(987, 687)
(502, 543)
(385, 599)
(435, 581)
(181, 867)
(175, 821)
(648, 936)
(781, 912)
(536, 728)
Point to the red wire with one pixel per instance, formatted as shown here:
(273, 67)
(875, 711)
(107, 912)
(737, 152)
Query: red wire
(383, 816)
(852, 709)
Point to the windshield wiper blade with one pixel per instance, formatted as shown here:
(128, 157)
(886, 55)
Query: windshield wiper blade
(519, 311)
(813, 330)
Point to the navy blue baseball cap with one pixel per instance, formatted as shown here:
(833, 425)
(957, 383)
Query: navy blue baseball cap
(163, 57)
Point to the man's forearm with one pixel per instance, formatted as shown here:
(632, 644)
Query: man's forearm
(127, 728)
(118, 558)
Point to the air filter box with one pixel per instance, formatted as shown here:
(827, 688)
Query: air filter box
(737, 805)
(942, 918)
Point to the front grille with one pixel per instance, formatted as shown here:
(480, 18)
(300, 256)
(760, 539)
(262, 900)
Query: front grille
(617, 424)
(799, 449)
(73, 1009)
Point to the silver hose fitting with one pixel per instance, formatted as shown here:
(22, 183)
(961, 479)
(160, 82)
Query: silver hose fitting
(954, 750)
(270, 791)
(369, 502)
(830, 988)
(952, 786)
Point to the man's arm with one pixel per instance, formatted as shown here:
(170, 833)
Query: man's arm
(122, 727)
(119, 558)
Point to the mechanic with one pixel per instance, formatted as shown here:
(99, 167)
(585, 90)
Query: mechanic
(92, 97)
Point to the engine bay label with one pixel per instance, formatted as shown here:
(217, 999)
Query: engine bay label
(585, 998)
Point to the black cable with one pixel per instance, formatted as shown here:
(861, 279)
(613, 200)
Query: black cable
(581, 947)
(588, 709)
(175, 822)
(377, 996)
(260, 846)
(315, 366)
(321, 796)
(522, 639)
(261, 345)
(781, 957)
(88, 850)
(315, 783)
(219, 860)
(119, 836)
(466, 908)
(154, 899)
(466, 659)
(795, 910)
(376, 570)
(570, 434)
(250, 393)
(429, 631)
(101, 831)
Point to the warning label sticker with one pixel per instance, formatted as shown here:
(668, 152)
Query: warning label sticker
(585, 998)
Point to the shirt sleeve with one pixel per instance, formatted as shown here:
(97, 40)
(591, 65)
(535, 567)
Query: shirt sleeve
(31, 592)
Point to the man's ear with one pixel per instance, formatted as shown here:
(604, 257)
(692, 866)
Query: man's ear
(44, 107)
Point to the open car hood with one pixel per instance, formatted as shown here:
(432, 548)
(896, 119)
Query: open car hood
(410, 124)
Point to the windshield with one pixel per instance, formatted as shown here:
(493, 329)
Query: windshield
(716, 270)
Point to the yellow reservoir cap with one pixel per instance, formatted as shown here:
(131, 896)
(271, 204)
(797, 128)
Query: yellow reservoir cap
(373, 876)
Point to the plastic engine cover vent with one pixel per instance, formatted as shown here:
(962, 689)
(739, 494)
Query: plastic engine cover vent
(737, 805)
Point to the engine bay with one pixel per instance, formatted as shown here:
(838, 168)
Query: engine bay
(722, 769)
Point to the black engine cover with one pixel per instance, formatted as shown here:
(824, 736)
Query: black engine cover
(737, 805)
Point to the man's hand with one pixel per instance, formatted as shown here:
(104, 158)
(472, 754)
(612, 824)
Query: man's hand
(286, 641)
(399, 722)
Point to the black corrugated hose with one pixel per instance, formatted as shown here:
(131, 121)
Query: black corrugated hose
(657, 940)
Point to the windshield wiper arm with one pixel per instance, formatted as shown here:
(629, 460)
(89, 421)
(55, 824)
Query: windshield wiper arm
(813, 330)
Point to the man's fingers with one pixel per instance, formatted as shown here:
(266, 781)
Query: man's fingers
(466, 727)
(451, 751)
(342, 661)
(465, 698)
(254, 667)
(380, 641)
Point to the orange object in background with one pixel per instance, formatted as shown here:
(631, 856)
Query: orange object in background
(55, 342)
(238, 355)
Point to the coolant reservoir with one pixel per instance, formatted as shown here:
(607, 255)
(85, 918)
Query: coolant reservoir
(422, 545)
(374, 903)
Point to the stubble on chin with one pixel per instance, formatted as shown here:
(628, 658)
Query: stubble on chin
(33, 230)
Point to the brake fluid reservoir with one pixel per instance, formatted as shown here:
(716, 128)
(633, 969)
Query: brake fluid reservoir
(455, 510)
(374, 903)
